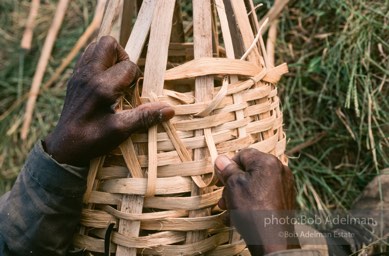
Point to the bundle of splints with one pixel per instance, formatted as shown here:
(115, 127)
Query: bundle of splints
(157, 193)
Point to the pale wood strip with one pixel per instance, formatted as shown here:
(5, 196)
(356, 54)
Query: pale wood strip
(90, 243)
(245, 29)
(257, 93)
(188, 249)
(194, 168)
(145, 216)
(96, 218)
(137, 186)
(25, 44)
(179, 146)
(149, 13)
(98, 197)
(195, 142)
(140, 30)
(233, 125)
(239, 114)
(157, 49)
(152, 161)
(206, 122)
(166, 238)
(111, 15)
(129, 155)
(234, 145)
(184, 203)
(130, 204)
(128, 13)
(185, 224)
(95, 165)
(112, 172)
(266, 145)
(210, 66)
(202, 38)
(228, 249)
(261, 125)
(274, 12)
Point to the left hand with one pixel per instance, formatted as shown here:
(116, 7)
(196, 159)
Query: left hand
(89, 126)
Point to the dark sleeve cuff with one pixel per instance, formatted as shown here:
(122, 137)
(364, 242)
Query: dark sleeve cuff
(61, 179)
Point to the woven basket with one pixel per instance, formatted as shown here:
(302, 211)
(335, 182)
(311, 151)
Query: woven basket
(157, 190)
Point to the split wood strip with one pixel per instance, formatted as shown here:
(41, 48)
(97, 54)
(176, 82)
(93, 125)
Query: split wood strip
(95, 165)
(145, 216)
(25, 44)
(93, 26)
(202, 38)
(148, 14)
(274, 12)
(271, 41)
(230, 54)
(133, 204)
(130, 203)
(42, 64)
(202, 66)
(128, 13)
(117, 21)
(243, 22)
(138, 186)
(111, 15)
(140, 30)
(157, 50)
(233, 28)
(154, 74)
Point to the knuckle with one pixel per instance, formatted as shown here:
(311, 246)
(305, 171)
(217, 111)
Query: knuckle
(107, 41)
(237, 180)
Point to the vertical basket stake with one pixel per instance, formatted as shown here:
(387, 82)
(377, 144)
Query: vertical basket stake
(158, 13)
(202, 38)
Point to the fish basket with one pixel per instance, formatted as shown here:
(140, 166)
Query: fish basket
(156, 194)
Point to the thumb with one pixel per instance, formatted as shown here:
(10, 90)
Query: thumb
(225, 168)
(143, 117)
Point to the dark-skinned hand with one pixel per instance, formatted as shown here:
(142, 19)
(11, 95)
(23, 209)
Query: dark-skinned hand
(89, 126)
(257, 186)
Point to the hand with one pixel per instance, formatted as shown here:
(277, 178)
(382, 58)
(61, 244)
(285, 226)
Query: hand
(89, 126)
(257, 187)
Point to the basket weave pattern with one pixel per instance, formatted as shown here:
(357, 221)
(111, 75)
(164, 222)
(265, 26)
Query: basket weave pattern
(158, 188)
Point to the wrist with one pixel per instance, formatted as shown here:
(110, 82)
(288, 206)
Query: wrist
(55, 146)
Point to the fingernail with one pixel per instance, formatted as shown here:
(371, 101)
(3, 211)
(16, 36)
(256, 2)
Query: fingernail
(166, 113)
(221, 162)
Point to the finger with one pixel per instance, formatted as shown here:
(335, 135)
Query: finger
(108, 52)
(142, 117)
(86, 56)
(119, 77)
(225, 167)
(251, 159)
(222, 204)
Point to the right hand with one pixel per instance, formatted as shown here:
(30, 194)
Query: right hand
(257, 186)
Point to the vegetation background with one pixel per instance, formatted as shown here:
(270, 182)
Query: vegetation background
(335, 96)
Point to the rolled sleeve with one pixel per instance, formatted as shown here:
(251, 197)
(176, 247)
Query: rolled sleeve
(40, 214)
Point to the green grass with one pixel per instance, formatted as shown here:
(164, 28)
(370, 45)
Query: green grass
(16, 72)
(339, 58)
(338, 55)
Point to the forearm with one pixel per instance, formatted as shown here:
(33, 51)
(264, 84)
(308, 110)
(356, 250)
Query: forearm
(39, 215)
